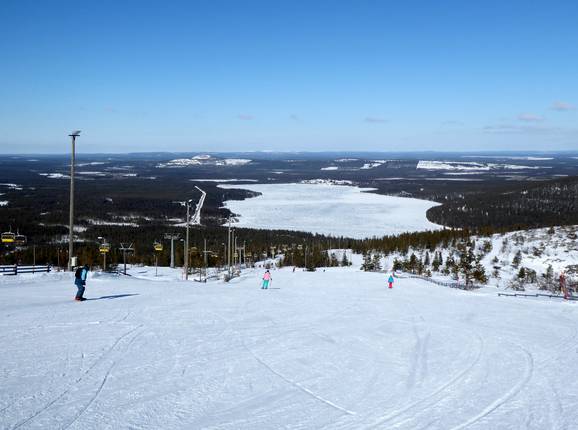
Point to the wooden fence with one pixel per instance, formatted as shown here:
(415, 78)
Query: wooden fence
(17, 270)
(449, 284)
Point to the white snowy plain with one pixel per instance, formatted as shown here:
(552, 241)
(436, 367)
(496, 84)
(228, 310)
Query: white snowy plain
(332, 349)
(329, 209)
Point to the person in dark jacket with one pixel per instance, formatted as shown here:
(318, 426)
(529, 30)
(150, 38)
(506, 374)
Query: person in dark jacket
(80, 282)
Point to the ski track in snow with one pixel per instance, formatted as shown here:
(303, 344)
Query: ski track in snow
(328, 350)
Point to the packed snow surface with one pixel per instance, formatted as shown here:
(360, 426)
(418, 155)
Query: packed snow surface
(329, 209)
(323, 350)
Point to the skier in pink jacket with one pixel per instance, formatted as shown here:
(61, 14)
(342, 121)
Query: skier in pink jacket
(266, 280)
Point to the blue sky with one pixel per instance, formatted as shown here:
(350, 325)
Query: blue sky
(288, 75)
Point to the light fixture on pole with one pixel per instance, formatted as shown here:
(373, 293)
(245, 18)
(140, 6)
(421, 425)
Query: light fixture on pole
(196, 220)
(72, 259)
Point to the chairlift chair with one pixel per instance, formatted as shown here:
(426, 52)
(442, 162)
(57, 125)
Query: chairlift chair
(104, 248)
(8, 237)
(20, 239)
(158, 246)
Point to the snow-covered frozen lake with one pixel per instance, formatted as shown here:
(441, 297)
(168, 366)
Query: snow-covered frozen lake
(329, 209)
(323, 350)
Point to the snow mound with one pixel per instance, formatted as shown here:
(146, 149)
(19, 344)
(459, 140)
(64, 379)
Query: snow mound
(204, 160)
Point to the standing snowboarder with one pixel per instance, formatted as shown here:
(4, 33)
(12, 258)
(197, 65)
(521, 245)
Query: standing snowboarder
(390, 281)
(80, 282)
(266, 280)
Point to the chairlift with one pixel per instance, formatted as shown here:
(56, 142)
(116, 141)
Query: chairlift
(8, 237)
(104, 248)
(20, 239)
(158, 246)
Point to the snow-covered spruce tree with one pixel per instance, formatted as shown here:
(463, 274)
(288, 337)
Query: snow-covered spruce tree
(479, 273)
(367, 265)
(504, 245)
(333, 261)
(344, 260)
(426, 260)
(517, 259)
(397, 265)
(420, 267)
(450, 264)
(547, 281)
(487, 247)
(466, 266)
(376, 262)
(411, 264)
(436, 263)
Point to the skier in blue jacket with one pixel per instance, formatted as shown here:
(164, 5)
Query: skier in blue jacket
(390, 281)
(80, 282)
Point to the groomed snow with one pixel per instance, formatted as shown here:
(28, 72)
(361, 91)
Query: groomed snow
(323, 350)
(329, 209)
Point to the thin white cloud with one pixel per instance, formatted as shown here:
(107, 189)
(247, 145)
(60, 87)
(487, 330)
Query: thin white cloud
(375, 120)
(561, 106)
(530, 117)
(519, 129)
(245, 117)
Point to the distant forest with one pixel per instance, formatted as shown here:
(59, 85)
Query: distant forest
(512, 207)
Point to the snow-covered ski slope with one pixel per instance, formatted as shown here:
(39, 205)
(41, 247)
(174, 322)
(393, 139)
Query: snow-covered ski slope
(323, 350)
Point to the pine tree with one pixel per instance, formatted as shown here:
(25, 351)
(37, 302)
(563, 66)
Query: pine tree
(436, 262)
(344, 260)
(479, 273)
(367, 264)
(333, 261)
(426, 261)
(376, 262)
(517, 259)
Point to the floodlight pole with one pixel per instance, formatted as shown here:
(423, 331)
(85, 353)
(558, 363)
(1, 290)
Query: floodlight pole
(229, 249)
(186, 265)
(73, 135)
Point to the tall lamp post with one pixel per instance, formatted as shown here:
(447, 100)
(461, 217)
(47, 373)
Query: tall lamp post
(73, 135)
(187, 239)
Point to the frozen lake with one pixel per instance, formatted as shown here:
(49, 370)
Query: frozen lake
(329, 209)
